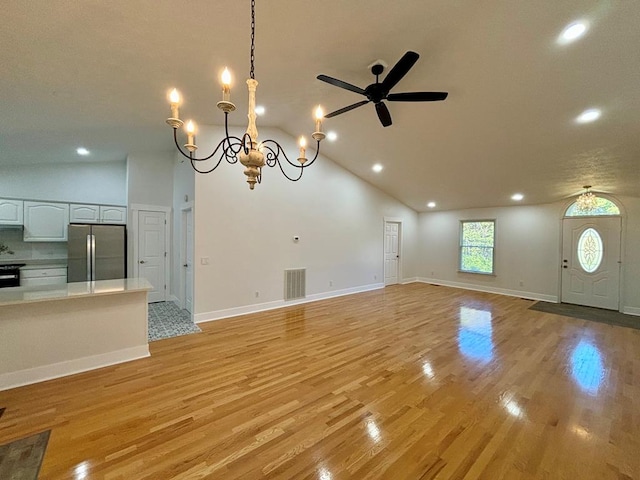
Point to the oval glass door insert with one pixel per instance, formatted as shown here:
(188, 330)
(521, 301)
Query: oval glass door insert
(590, 250)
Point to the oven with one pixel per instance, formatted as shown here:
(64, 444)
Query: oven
(10, 275)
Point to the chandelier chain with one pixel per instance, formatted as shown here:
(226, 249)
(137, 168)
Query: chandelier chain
(253, 36)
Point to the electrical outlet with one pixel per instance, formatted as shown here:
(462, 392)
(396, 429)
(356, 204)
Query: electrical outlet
(204, 261)
(521, 283)
(375, 277)
(432, 274)
(331, 283)
(257, 294)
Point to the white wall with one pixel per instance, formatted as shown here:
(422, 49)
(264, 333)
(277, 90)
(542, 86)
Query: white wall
(103, 183)
(631, 260)
(528, 240)
(247, 235)
(150, 179)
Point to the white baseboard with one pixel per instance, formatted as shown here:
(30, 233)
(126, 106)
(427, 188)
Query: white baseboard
(261, 307)
(174, 299)
(500, 291)
(70, 367)
(409, 280)
(631, 310)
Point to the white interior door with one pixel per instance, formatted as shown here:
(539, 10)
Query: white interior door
(188, 261)
(391, 252)
(591, 261)
(152, 251)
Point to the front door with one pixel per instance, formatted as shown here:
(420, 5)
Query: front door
(391, 252)
(591, 261)
(152, 252)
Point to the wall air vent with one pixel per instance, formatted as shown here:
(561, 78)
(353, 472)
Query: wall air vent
(295, 283)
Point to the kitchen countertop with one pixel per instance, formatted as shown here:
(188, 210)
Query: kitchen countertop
(45, 293)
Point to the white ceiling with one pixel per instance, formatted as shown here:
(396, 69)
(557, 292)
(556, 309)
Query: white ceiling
(96, 73)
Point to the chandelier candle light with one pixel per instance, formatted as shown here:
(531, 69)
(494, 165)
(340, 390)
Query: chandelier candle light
(587, 201)
(252, 154)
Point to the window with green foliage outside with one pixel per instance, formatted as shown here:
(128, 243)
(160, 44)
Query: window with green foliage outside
(476, 246)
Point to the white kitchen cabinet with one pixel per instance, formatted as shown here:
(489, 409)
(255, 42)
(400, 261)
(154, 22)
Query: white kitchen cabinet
(11, 212)
(84, 213)
(110, 214)
(45, 221)
(30, 277)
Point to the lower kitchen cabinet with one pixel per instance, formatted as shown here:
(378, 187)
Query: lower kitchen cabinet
(43, 276)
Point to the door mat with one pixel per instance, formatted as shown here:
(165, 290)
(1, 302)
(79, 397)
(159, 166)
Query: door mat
(610, 317)
(21, 459)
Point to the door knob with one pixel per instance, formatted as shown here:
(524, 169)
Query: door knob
(564, 266)
(142, 261)
(185, 265)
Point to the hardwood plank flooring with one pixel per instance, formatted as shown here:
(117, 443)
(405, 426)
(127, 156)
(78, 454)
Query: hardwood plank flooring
(409, 382)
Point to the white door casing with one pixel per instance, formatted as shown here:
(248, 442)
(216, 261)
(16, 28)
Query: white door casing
(186, 260)
(391, 252)
(152, 252)
(599, 288)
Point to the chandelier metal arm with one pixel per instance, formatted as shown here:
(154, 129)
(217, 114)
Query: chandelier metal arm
(273, 158)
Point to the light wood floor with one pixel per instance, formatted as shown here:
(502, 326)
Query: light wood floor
(409, 382)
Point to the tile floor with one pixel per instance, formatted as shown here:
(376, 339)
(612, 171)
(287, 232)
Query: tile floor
(167, 320)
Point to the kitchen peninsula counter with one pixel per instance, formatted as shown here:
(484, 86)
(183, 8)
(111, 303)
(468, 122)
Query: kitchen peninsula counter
(46, 293)
(51, 331)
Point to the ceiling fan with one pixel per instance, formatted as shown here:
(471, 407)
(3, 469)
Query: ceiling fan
(379, 91)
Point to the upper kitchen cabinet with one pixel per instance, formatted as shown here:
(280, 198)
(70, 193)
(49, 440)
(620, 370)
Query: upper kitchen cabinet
(113, 214)
(97, 214)
(84, 213)
(11, 212)
(45, 221)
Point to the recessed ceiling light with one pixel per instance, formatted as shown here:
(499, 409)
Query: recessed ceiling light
(377, 168)
(517, 197)
(572, 32)
(332, 136)
(259, 110)
(82, 151)
(431, 204)
(590, 115)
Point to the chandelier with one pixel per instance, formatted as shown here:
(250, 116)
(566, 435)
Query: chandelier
(587, 201)
(251, 153)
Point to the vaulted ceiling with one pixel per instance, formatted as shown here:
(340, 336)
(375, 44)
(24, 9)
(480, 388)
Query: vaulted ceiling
(96, 73)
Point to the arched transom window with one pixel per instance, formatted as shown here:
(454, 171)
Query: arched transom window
(604, 206)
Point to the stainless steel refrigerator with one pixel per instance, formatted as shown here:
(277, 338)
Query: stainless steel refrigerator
(96, 252)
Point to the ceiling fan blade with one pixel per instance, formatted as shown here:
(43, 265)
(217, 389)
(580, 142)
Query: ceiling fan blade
(341, 84)
(399, 70)
(383, 114)
(417, 96)
(346, 109)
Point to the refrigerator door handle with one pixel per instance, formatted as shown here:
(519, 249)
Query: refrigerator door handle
(93, 257)
(89, 256)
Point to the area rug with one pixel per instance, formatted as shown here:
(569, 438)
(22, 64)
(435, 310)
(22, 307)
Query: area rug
(167, 320)
(21, 459)
(610, 317)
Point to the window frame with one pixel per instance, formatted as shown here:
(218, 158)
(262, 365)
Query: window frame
(461, 245)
